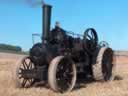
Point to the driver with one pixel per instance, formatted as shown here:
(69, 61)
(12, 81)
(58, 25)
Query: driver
(58, 34)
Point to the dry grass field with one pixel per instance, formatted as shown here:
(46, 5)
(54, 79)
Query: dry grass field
(114, 88)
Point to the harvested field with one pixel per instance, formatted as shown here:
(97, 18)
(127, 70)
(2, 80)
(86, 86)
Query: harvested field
(114, 88)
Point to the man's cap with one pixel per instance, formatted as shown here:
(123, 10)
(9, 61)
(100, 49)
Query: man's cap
(57, 24)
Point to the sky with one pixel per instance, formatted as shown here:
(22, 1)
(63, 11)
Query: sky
(19, 20)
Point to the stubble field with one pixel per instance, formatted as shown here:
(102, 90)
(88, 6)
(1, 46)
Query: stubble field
(113, 88)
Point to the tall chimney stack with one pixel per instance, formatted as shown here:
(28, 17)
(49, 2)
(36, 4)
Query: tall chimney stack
(46, 22)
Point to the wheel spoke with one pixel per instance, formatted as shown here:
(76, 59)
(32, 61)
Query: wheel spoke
(20, 77)
(25, 64)
(20, 73)
(30, 81)
(89, 37)
(24, 82)
(93, 37)
(30, 65)
(21, 69)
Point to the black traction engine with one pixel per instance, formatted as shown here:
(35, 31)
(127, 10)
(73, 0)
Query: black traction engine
(62, 59)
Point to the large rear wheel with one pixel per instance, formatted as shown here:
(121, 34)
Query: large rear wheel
(104, 67)
(62, 74)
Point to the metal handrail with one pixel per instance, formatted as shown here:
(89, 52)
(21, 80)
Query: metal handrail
(74, 34)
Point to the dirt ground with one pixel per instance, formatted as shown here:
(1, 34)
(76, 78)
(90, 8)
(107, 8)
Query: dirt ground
(113, 88)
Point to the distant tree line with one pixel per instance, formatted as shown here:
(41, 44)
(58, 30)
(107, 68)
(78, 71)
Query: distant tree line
(10, 47)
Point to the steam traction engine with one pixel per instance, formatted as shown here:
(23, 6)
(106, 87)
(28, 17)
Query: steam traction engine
(61, 59)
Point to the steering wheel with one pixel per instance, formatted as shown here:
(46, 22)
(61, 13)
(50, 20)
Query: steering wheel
(90, 39)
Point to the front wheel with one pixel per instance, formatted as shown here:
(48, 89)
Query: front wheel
(23, 68)
(62, 74)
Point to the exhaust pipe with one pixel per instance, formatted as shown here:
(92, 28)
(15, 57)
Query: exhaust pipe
(46, 22)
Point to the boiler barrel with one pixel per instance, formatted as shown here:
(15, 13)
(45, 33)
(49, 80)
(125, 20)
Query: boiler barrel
(46, 22)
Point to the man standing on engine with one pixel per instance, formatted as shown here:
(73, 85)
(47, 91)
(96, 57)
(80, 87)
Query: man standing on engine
(58, 34)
